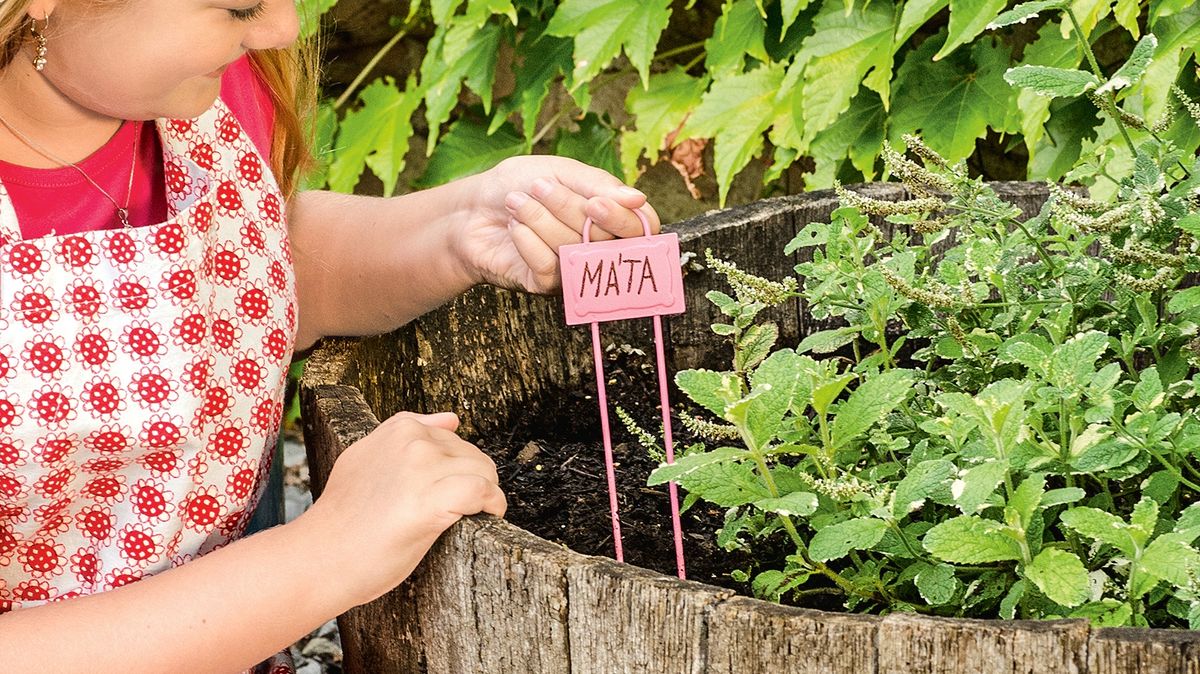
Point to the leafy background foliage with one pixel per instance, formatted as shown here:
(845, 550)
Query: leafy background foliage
(772, 95)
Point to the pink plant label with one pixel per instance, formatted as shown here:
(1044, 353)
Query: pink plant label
(621, 279)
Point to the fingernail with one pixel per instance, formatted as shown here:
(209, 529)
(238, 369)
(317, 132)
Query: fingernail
(541, 188)
(515, 200)
(628, 191)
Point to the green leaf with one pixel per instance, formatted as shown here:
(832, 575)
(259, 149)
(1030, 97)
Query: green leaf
(756, 342)
(462, 53)
(1063, 495)
(827, 341)
(1134, 67)
(790, 10)
(542, 59)
(914, 15)
(1008, 605)
(782, 383)
(1024, 12)
(858, 134)
(1184, 300)
(467, 149)
(1148, 392)
(837, 540)
(726, 483)
(1052, 82)
(1027, 497)
(690, 463)
(825, 392)
(1073, 362)
(595, 144)
(977, 484)
(923, 481)
(971, 540)
(375, 135)
(1101, 526)
(1104, 455)
(968, 18)
(846, 48)
(952, 102)
(1060, 576)
(1105, 613)
(738, 32)
(869, 404)
(310, 13)
(713, 391)
(936, 583)
(1170, 558)
(735, 114)
(602, 28)
(659, 110)
(795, 504)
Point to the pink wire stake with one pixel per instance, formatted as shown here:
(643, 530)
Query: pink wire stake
(605, 274)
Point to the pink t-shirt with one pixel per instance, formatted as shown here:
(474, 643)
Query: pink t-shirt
(60, 201)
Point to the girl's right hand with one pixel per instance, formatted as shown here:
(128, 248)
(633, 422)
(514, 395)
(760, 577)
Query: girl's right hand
(391, 494)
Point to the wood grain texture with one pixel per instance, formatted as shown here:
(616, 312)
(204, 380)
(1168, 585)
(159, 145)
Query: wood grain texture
(1125, 649)
(910, 644)
(747, 636)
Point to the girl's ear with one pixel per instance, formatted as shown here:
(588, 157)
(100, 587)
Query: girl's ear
(40, 10)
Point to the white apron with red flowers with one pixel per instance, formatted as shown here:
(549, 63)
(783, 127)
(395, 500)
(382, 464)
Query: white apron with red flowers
(142, 374)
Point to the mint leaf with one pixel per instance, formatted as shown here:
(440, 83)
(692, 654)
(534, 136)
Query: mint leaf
(869, 404)
(1024, 11)
(1169, 558)
(1051, 82)
(1105, 613)
(713, 391)
(1074, 362)
(1060, 576)
(1101, 526)
(1134, 67)
(800, 504)
(837, 540)
(726, 483)
(756, 342)
(971, 491)
(936, 583)
(781, 383)
(1027, 497)
(1184, 300)
(971, 540)
(688, 464)
(923, 481)
(1148, 392)
(827, 341)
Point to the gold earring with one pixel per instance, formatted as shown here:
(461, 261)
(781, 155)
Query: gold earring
(39, 60)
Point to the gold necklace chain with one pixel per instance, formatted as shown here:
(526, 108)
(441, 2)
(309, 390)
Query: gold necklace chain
(122, 211)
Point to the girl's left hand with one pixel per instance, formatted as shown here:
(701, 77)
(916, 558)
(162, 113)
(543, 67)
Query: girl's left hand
(529, 206)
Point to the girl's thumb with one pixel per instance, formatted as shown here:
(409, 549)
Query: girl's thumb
(446, 420)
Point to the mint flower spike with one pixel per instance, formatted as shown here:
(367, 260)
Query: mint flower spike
(1109, 222)
(1140, 253)
(1191, 106)
(926, 153)
(1160, 280)
(1080, 203)
(870, 206)
(939, 298)
(919, 179)
(750, 288)
(713, 432)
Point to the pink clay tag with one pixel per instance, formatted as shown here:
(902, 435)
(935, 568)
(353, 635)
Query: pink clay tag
(620, 279)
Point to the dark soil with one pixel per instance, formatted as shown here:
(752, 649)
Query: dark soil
(552, 469)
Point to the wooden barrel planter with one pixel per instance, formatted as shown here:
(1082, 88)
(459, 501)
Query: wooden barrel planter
(495, 599)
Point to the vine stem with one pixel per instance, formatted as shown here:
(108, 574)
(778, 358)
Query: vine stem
(362, 74)
(1111, 98)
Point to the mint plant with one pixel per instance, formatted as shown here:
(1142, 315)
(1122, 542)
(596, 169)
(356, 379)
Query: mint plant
(1006, 423)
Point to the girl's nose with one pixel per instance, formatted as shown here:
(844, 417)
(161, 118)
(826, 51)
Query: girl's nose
(277, 28)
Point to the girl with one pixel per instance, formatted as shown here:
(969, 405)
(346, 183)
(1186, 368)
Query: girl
(156, 273)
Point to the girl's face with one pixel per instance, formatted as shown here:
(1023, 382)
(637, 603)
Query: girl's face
(142, 59)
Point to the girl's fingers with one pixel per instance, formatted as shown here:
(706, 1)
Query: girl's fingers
(539, 257)
(613, 219)
(548, 225)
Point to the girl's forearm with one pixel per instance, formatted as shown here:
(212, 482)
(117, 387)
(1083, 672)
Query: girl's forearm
(221, 613)
(354, 279)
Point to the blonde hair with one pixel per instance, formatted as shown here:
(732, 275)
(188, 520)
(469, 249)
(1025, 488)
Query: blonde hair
(290, 74)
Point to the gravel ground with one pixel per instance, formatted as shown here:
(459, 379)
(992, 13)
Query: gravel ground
(321, 651)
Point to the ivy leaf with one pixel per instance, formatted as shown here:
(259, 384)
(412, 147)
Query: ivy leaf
(593, 144)
(977, 484)
(936, 583)
(310, 13)
(858, 134)
(739, 32)
(869, 404)
(1134, 67)
(799, 503)
(968, 18)
(1052, 82)
(846, 49)
(969, 539)
(837, 540)
(1060, 576)
(1101, 526)
(602, 28)
(659, 110)
(690, 463)
(376, 135)
(790, 10)
(954, 101)
(542, 59)
(1024, 12)
(914, 15)
(467, 149)
(923, 481)
(733, 112)
(711, 390)
(460, 53)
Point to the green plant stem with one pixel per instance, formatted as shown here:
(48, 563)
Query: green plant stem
(1111, 98)
(683, 49)
(366, 70)
(1042, 252)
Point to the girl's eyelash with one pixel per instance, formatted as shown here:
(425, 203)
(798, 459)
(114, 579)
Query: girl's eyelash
(247, 14)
